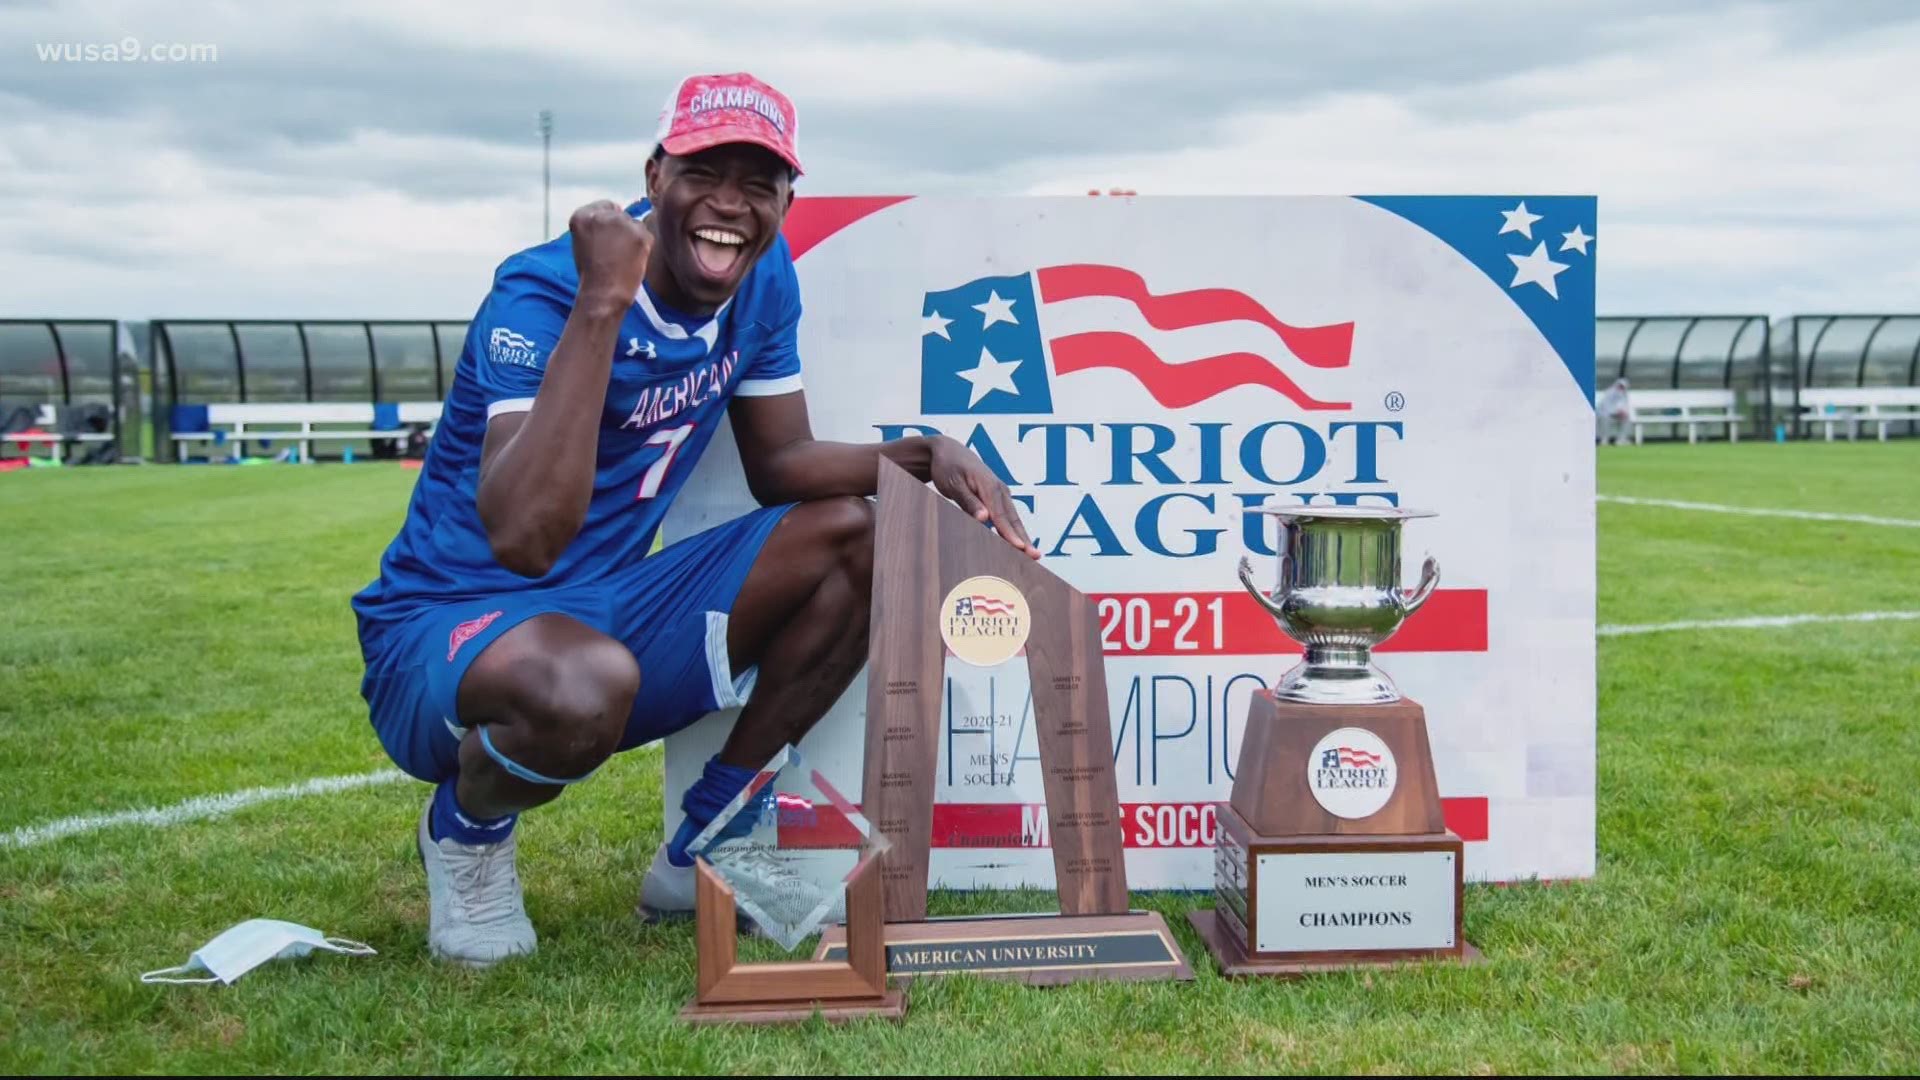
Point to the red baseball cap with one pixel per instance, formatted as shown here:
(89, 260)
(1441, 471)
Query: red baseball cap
(708, 110)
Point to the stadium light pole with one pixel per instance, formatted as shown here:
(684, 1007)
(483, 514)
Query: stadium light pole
(546, 172)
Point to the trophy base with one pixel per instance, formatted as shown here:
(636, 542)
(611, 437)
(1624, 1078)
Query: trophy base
(891, 1005)
(1271, 789)
(1038, 950)
(730, 992)
(1295, 904)
(1307, 684)
(1235, 963)
(1332, 852)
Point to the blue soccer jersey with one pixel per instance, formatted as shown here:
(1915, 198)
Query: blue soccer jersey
(672, 379)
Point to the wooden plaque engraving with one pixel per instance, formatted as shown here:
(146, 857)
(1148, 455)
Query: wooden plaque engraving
(924, 546)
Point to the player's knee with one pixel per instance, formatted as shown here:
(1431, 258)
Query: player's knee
(832, 538)
(575, 705)
(846, 525)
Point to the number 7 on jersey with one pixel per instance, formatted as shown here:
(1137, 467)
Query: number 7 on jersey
(657, 474)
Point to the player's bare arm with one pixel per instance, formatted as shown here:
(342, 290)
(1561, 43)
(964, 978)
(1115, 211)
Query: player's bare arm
(785, 463)
(537, 467)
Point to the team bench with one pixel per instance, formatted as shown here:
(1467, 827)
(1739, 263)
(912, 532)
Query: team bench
(1692, 408)
(1856, 405)
(303, 424)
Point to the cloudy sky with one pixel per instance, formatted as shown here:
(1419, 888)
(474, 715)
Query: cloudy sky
(376, 158)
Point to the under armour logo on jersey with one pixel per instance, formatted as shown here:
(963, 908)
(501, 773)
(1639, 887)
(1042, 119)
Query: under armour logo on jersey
(634, 348)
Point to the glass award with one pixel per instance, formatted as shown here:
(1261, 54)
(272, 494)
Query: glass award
(788, 846)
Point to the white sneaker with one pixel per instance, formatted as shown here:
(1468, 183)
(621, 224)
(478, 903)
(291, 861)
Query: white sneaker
(667, 890)
(476, 914)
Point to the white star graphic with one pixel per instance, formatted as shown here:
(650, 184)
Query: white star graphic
(934, 324)
(1576, 241)
(996, 310)
(1537, 268)
(989, 375)
(1518, 220)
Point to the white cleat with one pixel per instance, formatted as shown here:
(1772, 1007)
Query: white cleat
(477, 916)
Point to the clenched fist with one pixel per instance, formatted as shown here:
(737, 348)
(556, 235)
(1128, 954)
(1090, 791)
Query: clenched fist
(611, 251)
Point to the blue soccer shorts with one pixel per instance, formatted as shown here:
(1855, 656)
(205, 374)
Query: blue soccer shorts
(670, 609)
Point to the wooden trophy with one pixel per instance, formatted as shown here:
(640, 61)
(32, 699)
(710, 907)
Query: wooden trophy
(1332, 852)
(943, 583)
(801, 821)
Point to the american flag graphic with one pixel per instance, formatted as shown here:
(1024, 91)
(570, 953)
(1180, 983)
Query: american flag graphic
(982, 605)
(829, 821)
(984, 345)
(1346, 757)
(794, 810)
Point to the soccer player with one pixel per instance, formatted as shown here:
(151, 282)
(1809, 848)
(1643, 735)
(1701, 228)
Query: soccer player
(518, 633)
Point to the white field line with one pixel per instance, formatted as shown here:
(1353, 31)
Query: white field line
(1757, 622)
(195, 809)
(207, 806)
(1760, 511)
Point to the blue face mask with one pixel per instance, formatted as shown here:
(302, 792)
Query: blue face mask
(239, 949)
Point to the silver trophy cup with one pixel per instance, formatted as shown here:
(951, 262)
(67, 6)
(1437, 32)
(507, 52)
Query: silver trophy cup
(1339, 596)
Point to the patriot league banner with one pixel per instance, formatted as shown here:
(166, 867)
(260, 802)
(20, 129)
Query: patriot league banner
(1143, 373)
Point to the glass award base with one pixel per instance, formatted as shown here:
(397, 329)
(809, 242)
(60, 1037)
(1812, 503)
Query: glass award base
(760, 856)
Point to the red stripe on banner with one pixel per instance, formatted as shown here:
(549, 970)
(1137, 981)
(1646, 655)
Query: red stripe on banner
(1145, 825)
(989, 825)
(1317, 346)
(815, 218)
(807, 826)
(1466, 817)
(1234, 624)
(1177, 386)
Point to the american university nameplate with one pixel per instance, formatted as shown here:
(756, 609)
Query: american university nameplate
(1320, 901)
(1017, 953)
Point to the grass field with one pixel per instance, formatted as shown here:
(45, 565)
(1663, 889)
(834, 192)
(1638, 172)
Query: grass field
(180, 632)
